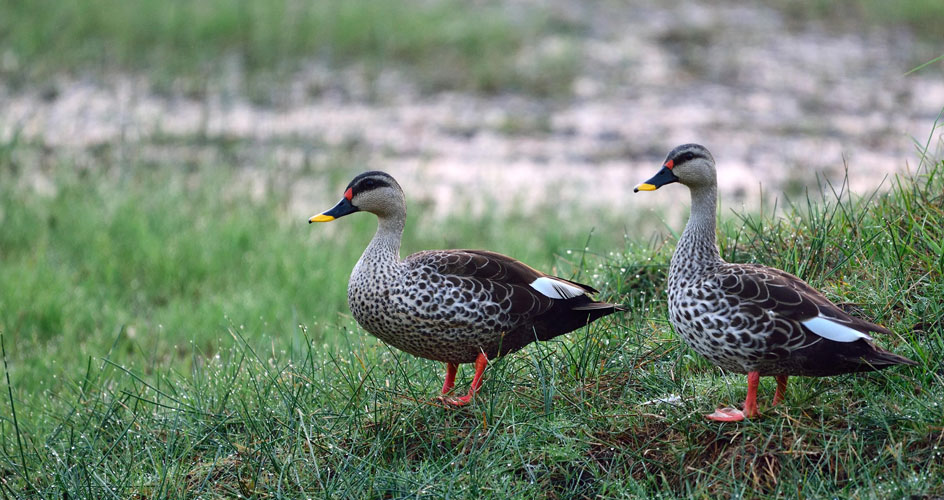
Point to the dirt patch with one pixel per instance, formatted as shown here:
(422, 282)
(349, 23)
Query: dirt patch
(678, 456)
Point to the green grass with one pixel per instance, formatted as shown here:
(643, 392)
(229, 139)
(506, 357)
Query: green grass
(923, 17)
(192, 44)
(167, 335)
(134, 250)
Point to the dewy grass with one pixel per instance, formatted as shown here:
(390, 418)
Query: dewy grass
(168, 337)
(444, 43)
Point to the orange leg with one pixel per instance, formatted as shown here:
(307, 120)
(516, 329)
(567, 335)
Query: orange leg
(451, 369)
(781, 389)
(480, 364)
(750, 404)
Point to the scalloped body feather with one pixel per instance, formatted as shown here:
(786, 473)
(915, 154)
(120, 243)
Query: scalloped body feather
(451, 305)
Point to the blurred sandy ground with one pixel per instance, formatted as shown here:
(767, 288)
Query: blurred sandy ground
(776, 103)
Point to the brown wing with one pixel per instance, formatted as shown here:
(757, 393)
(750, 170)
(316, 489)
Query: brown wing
(774, 305)
(524, 313)
(482, 264)
(787, 296)
(504, 279)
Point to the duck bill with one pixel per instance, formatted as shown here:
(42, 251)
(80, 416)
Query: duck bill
(665, 176)
(344, 207)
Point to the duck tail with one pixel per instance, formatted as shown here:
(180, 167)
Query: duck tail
(595, 306)
(880, 358)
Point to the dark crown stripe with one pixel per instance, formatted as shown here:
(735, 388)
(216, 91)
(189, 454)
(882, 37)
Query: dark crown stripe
(380, 179)
(686, 153)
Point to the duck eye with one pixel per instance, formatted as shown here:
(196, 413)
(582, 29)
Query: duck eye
(369, 183)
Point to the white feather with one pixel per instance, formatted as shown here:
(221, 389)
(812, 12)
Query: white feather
(555, 289)
(829, 329)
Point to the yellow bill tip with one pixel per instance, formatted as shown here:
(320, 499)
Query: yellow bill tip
(320, 218)
(644, 187)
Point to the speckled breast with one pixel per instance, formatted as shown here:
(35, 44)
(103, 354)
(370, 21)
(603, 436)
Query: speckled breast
(716, 328)
(425, 317)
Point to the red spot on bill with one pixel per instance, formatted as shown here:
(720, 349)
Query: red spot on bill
(669, 164)
(349, 194)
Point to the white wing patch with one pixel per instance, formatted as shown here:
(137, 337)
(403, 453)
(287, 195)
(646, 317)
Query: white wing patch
(554, 289)
(829, 329)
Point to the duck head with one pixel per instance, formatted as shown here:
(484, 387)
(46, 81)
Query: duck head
(375, 192)
(689, 164)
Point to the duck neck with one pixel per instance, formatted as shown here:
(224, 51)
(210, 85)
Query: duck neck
(697, 248)
(384, 248)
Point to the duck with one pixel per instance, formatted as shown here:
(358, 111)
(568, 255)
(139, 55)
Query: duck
(749, 318)
(452, 306)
